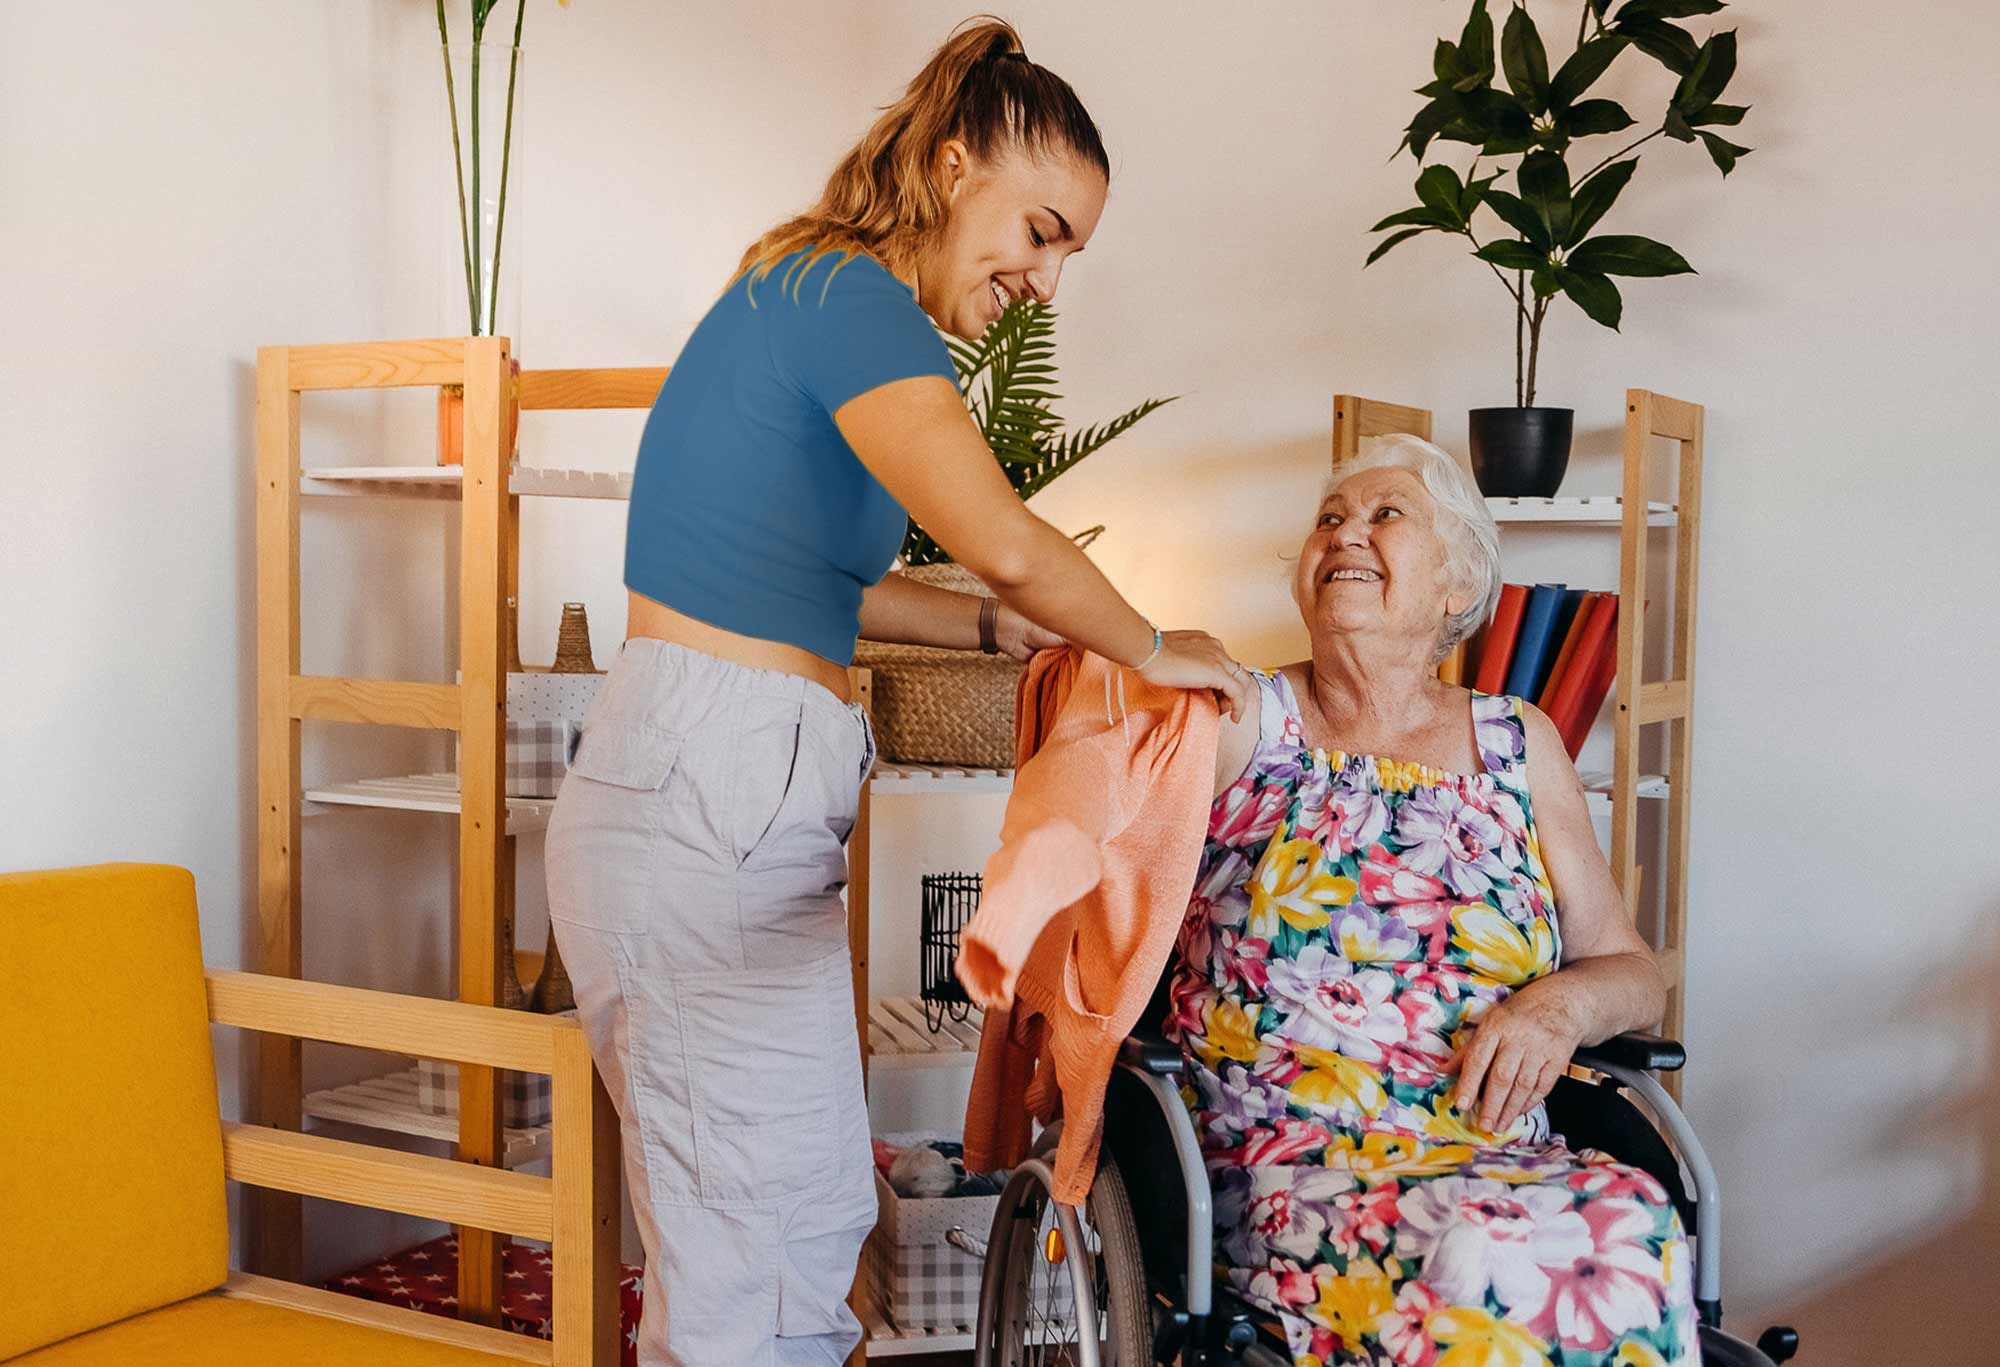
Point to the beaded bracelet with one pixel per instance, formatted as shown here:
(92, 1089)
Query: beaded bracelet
(1158, 642)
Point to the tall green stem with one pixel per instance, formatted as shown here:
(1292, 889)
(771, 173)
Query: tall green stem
(1535, 346)
(458, 169)
(478, 204)
(506, 160)
(1520, 284)
(1613, 157)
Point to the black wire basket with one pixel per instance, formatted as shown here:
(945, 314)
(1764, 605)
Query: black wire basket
(949, 899)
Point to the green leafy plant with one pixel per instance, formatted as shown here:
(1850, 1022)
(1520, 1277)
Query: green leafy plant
(1008, 378)
(1541, 118)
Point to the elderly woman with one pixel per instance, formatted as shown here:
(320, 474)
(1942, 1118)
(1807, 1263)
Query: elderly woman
(1401, 928)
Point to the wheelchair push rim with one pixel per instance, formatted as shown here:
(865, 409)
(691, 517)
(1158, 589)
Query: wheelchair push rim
(1052, 1268)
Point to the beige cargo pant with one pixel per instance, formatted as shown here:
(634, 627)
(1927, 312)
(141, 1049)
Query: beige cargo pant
(695, 865)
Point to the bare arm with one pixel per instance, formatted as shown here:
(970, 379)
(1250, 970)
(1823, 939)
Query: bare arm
(1607, 982)
(916, 437)
(905, 612)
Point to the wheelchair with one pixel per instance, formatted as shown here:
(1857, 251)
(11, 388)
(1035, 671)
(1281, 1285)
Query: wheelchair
(1128, 1280)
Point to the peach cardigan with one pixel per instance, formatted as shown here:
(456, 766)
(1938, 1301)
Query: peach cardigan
(1080, 907)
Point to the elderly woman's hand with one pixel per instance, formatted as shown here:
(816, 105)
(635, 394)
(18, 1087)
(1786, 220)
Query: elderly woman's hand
(1515, 1054)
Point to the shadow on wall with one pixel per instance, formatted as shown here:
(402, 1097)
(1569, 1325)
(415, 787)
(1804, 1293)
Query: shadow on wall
(1925, 1303)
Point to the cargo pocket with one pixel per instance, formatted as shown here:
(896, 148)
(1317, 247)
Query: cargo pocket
(604, 837)
(761, 1077)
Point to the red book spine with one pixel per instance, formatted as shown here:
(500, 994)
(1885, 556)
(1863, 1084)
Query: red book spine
(1498, 651)
(1593, 673)
(1562, 700)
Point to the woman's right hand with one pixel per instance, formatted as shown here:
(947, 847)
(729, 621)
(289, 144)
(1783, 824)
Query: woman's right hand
(1195, 659)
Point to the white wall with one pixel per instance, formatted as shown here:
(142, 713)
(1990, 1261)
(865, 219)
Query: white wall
(177, 190)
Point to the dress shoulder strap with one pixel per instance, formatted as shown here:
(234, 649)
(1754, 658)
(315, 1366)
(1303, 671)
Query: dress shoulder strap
(1278, 721)
(1502, 736)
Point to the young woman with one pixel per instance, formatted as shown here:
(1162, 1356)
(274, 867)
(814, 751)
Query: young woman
(695, 858)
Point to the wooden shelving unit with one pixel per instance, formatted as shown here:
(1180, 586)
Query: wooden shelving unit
(488, 487)
(1638, 703)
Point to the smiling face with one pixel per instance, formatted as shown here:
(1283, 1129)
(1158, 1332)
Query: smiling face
(1014, 221)
(1374, 561)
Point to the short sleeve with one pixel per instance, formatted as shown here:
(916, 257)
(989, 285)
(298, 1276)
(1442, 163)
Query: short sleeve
(842, 328)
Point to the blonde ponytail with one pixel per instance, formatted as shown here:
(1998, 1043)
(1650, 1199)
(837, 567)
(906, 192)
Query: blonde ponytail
(886, 198)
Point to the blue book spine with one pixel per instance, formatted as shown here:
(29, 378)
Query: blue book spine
(1537, 643)
(1565, 616)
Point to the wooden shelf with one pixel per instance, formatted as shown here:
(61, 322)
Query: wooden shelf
(1603, 510)
(390, 1103)
(895, 779)
(420, 793)
(900, 1037)
(446, 481)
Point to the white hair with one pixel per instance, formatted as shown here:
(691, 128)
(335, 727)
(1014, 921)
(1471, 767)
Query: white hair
(1471, 538)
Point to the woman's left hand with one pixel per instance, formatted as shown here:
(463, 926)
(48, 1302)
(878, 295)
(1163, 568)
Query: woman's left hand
(1019, 638)
(1516, 1053)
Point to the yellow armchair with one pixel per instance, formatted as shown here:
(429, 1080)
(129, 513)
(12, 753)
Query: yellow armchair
(113, 1154)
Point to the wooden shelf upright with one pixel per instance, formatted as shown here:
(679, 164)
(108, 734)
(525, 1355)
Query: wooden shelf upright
(494, 393)
(1637, 703)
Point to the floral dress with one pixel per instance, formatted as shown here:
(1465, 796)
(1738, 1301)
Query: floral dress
(1352, 919)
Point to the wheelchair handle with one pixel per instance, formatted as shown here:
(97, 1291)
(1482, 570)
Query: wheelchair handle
(964, 1242)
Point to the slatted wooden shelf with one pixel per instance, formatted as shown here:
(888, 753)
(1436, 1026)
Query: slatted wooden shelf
(895, 779)
(446, 481)
(900, 1037)
(390, 1103)
(420, 793)
(1602, 510)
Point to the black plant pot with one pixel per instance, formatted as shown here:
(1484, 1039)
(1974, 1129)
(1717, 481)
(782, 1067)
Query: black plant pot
(1520, 452)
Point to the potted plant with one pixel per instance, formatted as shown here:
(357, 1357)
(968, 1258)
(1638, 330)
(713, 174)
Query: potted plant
(954, 706)
(1528, 129)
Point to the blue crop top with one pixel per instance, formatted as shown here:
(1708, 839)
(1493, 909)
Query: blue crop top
(749, 509)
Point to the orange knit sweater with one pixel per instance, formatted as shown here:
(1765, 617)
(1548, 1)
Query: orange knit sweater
(1079, 908)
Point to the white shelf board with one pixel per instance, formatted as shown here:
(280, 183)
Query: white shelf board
(1600, 510)
(446, 481)
(421, 793)
(390, 1103)
(900, 1037)
(895, 779)
(1597, 789)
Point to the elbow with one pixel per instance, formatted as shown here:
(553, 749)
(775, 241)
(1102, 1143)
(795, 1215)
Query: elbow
(1004, 563)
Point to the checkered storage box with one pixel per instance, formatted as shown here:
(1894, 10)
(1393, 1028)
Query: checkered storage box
(922, 1279)
(526, 1103)
(544, 717)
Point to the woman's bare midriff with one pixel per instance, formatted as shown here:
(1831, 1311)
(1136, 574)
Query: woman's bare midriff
(648, 617)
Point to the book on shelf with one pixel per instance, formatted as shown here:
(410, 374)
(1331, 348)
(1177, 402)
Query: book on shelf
(1566, 611)
(1570, 632)
(1586, 677)
(1534, 643)
(1497, 650)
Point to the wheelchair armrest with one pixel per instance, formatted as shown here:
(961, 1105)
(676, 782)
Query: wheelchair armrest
(1150, 1052)
(1647, 1053)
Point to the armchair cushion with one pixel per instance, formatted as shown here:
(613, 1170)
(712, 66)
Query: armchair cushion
(110, 1139)
(221, 1331)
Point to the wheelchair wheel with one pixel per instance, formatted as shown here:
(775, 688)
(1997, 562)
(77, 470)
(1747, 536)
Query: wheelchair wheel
(1063, 1287)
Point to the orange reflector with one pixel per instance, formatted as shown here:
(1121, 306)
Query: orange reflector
(1052, 1246)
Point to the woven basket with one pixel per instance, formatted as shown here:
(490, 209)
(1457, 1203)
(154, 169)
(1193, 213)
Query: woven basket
(943, 706)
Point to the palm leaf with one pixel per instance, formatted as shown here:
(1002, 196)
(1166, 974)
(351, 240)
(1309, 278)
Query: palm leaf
(1008, 379)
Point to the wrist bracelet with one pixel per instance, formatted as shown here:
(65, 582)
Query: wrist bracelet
(1158, 642)
(989, 614)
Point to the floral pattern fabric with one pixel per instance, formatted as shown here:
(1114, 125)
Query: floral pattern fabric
(1352, 920)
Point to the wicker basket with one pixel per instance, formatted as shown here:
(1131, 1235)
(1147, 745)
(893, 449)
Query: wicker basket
(943, 706)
